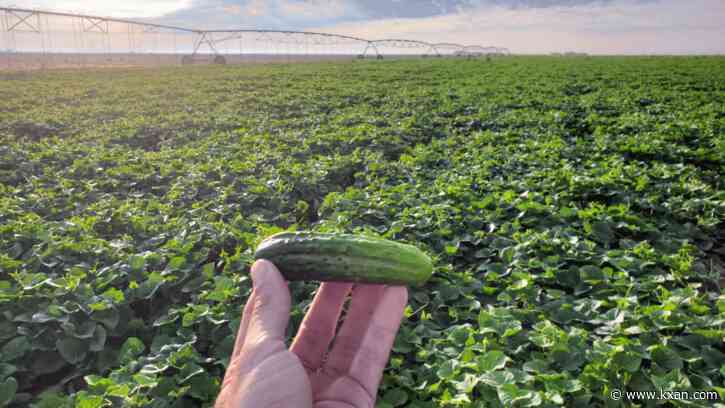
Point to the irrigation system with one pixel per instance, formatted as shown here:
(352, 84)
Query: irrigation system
(38, 39)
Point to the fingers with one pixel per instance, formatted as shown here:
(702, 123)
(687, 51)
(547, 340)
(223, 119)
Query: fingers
(318, 327)
(270, 304)
(362, 346)
(243, 325)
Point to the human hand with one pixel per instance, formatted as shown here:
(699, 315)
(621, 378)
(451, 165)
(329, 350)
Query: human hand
(263, 373)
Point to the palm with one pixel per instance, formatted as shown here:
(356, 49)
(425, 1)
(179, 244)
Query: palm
(334, 391)
(264, 373)
(327, 390)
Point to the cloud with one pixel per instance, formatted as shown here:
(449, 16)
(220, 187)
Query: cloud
(315, 9)
(289, 14)
(613, 27)
(233, 9)
(428, 8)
(524, 26)
(110, 8)
(271, 14)
(255, 8)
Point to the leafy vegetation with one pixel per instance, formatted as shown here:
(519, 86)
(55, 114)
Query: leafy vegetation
(575, 208)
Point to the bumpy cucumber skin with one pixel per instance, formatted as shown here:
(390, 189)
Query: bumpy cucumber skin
(345, 258)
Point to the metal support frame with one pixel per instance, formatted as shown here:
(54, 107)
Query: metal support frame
(23, 19)
(205, 37)
(452, 48)
(15, 19)
(371, 44)
(95, 25)
(433, 50)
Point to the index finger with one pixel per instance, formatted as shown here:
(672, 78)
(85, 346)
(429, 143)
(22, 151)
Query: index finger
(362, 347)
(318, 327)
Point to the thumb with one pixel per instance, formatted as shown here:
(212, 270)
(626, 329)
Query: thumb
(271, 309)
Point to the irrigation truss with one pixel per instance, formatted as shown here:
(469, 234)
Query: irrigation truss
(37, 39)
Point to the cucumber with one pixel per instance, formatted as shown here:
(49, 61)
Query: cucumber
(345, 258)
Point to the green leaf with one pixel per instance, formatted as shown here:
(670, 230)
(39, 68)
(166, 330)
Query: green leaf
(8, 330)
(108, 317)
(628, 361)
(145, 380)
(203, 387)
(447, 369)
(83, 331)
(497, 378)
(511, 395)
(176, 263)
(395, 397)
(188, 371)
(137, 263)
(560, 383)
(713, 357)
(50, 399)
(131, 348)
(459, 334)
(99, 339)
(113, 295)
(71, 349)
(603, 231)
(493, 360)
(592, 274)
(547, 335)
(673, 380)
(499, 321)
(14, 349)
(666, 358)
(8, 388)
(85, 400)
(466, 385)
(536, 366)
(6, 370)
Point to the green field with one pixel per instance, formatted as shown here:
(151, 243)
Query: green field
(574, 208)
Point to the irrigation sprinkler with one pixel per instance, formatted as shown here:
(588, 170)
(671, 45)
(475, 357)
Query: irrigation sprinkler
(35, 38)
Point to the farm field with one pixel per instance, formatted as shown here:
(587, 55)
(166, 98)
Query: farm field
(574, 208)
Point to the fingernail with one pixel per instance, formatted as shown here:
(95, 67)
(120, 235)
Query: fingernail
(260, 271)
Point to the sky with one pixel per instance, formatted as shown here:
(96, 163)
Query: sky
(523, 26)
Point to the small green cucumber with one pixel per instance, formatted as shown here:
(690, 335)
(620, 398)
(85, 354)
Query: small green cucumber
(345, 258)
